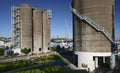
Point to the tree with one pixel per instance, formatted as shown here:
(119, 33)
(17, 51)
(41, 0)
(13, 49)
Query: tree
(52, 40)
(10, 53)
(2, 51)
(25, 51)
(6, 48)
(11, 46)
(58, 48)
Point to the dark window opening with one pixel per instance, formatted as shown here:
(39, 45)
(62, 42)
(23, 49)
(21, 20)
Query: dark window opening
(93, 58)
(76, 60)
(39, 49)
(29, 50)
(48, 48)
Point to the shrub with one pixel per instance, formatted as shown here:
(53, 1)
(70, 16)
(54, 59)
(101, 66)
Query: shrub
(2, 52)
(25, 51)
(10, 53)
(6, 48)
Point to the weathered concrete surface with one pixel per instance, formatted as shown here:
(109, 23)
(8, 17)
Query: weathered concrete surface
(37, 30)
(86, 39)
(26, 26)
(46, 31)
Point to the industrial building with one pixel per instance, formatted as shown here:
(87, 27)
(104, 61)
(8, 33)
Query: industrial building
(93, 30)
(31, 28)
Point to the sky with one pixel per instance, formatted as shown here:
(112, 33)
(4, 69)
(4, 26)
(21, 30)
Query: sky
(117, 19)
(61, 21)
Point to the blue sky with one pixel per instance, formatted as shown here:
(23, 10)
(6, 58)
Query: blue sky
(61, 21)
(117, 18)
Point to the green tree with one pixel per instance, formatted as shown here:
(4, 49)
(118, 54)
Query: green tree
(10, 53)
(11, 46)
(52, 40)
(6, 48)
(2, 51)
(58, 47)
(25, 51)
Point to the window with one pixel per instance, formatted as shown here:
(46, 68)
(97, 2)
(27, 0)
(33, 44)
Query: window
(48, 48)
(39, 49)
(29, 50)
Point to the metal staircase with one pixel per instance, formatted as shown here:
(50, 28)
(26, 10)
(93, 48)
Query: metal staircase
(16, 26)
(98, 29)
(93, 24)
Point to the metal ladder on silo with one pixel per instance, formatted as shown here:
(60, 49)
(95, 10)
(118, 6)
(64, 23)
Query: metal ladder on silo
(93, 25)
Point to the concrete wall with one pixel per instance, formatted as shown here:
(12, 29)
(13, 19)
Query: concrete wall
(86, 39)
(46, 31)
(87, 58)
(37, 30)
(2, 43)
(26, 26)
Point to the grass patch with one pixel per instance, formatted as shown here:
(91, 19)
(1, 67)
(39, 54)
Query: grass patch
(24, 63)
(50, 58)
(47, 69)
(14, 65)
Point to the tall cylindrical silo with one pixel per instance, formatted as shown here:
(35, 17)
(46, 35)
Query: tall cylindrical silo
(26, 26)
(46, 31)
(37, 30)
(91, 47)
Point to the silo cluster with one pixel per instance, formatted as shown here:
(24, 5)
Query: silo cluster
(34, 32)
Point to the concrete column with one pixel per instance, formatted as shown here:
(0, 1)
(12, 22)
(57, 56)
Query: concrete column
(113, 63)
(96, 62)
(46, 32)
(103, 59)
(37, 30)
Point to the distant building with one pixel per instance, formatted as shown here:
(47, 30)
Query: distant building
(31, 28)
(62, 42)
(118, 46)
(9, 44)
(1, 43)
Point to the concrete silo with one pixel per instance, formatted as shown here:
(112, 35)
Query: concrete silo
(31, 29)
(92, 48)
(26, 26)
(46, 30)
(38, 30)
